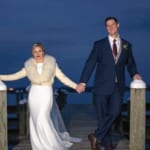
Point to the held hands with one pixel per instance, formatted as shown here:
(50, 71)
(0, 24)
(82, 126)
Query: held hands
(80, 88)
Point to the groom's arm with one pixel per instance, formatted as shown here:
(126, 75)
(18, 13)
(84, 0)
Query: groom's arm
(89, 65)
(131, 65)
(88, 69)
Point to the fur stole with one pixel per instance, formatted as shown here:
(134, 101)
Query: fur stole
(48, 72)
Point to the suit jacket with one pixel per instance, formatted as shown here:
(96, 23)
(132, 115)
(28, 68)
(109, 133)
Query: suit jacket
(107, 68)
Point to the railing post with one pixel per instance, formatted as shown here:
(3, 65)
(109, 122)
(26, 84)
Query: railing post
(21, 114)
(3, 117)
(27, 121)
(137, 115)
(22, 122)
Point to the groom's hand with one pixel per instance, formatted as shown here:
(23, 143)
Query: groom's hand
(80, 88)
(137, 77)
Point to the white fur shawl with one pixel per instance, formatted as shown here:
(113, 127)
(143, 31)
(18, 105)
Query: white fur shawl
(48, 72)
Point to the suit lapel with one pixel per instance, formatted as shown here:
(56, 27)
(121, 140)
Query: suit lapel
(122, 48)
(115, 59)
(120, 52)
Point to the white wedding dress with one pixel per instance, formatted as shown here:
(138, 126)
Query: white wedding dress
(47, 130)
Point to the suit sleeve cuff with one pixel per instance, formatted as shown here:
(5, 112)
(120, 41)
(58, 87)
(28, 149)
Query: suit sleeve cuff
(83, 84)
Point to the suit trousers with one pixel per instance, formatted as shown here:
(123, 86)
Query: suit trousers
(108, 108)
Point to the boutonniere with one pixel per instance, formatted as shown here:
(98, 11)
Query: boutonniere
(125, 46)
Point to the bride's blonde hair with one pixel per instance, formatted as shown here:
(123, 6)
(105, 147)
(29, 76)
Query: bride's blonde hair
(38, 44)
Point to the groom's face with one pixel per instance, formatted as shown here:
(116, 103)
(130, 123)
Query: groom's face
(112, 27)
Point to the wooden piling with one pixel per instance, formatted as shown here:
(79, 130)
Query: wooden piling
(3, 117)
(27, 121)
(137, 116)
(23, 115)
(22, 120)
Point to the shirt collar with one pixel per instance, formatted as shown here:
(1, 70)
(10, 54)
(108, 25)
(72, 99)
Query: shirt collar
(111, 38)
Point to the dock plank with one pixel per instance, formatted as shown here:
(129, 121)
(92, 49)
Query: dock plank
(80, 119)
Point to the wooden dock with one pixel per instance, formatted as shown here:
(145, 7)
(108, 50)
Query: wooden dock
(80, 119)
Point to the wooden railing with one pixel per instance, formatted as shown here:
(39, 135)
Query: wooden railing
(137, 115)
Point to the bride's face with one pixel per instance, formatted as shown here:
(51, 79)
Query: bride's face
(38, 54)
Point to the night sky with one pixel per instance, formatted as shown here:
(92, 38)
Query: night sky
(68, 29)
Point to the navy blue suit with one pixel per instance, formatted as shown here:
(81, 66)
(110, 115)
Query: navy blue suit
(109, 83)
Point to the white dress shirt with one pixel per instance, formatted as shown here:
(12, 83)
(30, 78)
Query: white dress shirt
(118, 41)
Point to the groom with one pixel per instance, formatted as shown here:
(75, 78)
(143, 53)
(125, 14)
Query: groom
(109, 56)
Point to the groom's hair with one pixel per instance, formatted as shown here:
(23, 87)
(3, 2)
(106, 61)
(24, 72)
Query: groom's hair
(111, 18)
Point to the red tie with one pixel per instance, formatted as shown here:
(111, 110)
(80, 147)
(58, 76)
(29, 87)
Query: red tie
(114, 48)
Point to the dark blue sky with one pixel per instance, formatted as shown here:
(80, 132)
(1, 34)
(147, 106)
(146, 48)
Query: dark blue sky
(68, 29)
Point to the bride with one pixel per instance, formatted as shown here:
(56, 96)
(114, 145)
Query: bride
(47, 130)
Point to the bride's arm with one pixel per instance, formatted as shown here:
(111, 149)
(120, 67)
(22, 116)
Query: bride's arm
(15, 76)
(64, 79)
